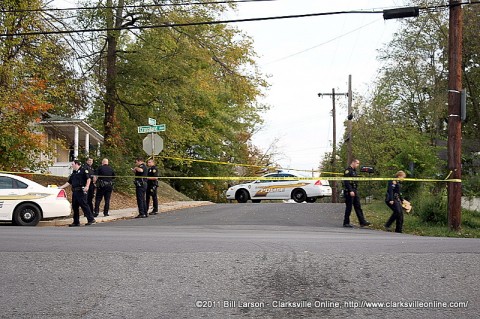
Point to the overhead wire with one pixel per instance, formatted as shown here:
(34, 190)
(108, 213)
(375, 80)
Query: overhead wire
(321, 44)
(135, 6)
(170, 25)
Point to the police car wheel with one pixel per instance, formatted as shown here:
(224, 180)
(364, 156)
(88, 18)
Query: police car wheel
(241, 196)
(27, 215)
(299, 195)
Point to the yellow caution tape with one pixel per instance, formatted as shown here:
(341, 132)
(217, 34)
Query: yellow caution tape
(254, 178)
(215, 162)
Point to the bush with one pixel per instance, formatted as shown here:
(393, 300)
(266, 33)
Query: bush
(431, 207)
(471, 185)
(470, 218)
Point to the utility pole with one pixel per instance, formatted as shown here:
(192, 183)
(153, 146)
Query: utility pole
(454, 144)
(334, 149)
(349, 121)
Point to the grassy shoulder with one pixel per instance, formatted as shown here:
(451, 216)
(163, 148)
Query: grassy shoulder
(378, 213)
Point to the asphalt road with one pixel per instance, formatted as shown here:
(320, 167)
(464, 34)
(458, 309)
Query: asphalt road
(236, 261)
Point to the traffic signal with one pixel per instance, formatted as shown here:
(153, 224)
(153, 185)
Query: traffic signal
(400, 13)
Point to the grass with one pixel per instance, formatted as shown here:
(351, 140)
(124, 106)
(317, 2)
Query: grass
(378, 213)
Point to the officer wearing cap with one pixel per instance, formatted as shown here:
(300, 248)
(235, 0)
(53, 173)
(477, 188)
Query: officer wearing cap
(91, 190)
(140, 186)
(152, 185)
(80, 180)
(351, 196)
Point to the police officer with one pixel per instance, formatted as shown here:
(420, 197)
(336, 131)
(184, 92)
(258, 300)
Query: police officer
(140, 186)
(152, 185)
(91, 189)
(104, 180)
(80, 182)
(394, 200)
(351, 196)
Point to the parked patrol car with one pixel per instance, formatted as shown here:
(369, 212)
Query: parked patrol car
(290, 187)
(25, 202)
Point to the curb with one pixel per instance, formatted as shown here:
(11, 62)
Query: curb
(126, 213)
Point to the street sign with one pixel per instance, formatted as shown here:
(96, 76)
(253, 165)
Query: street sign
(152, 121)
(152, 128)
(153, 144)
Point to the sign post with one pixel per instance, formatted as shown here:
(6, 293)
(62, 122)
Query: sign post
(153, 143)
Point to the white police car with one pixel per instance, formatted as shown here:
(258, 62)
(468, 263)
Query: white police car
(25, 202)
(290, 187)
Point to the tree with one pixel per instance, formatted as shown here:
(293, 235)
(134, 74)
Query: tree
(34, 78)
(413, 80)
(201, 81)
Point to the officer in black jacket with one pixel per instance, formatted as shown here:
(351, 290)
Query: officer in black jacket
(91, 190)
(351, 196)
(104, 179)
(80, 180)
(394, 199)
(152, 185)
(141, 186)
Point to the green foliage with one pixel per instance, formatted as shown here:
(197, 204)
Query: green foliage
(403, 124)
(201, 81)
(378, 213)
(470, 219)
(431, 206)
(471, 185)
(34, 78)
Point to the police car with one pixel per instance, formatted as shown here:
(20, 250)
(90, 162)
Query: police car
(25, 202)
(289, 187)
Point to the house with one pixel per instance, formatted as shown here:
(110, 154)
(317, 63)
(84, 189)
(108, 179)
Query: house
(80, 137)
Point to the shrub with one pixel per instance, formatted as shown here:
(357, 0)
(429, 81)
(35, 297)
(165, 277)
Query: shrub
(431, 207)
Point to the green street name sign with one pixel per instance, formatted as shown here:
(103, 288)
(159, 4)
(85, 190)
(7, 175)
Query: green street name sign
(152, 128)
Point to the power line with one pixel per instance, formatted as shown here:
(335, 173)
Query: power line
(323, 43)
(134, 6)
(169, 25)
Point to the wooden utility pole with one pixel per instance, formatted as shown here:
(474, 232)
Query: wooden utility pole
(334, 141)
(349, 122)
(454, 144)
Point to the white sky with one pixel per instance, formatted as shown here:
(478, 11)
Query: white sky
(298, 118)
(307, 56)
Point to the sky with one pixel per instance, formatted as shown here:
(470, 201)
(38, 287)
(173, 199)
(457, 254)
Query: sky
(306, 56)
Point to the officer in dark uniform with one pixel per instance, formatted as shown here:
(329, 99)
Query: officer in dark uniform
(152, 185)
(104, 180)
(80, 182)
(394, 200)
(351, 196)
(91, 189)
(141, 187)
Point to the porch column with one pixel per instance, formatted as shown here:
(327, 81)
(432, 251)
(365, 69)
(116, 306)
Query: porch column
(75, 143)
(87, 144)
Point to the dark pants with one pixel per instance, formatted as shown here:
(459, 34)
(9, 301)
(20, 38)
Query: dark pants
(103, 193)
(355, 203)
(90, 196)
(141, 199)
(152, 193)
(397, 216)
(79, 199)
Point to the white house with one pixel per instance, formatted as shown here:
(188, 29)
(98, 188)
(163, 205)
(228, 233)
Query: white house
(78, 135)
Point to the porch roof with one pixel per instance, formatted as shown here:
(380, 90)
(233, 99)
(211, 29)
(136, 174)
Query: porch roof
(63, 127)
